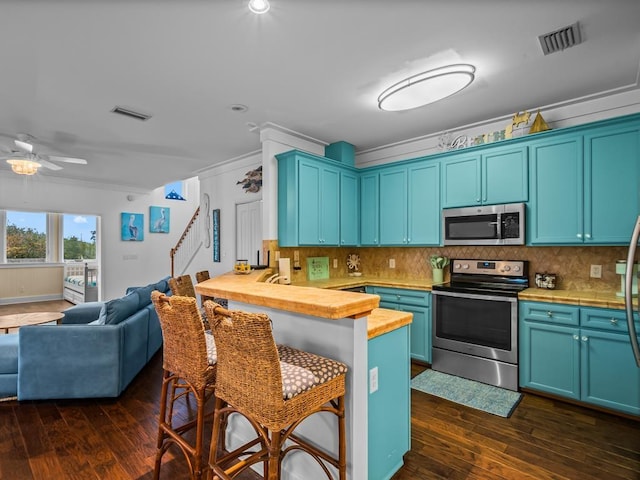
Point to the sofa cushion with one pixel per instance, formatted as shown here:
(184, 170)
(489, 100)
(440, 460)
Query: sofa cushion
(118, 309)
(144, 294)
(162, 285)
(82, 313)
(9, 353)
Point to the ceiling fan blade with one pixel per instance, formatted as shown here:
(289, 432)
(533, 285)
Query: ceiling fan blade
(47, 164)
(77, 161)
(24, 146)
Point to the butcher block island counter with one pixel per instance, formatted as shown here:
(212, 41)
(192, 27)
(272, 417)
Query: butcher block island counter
(348, 327)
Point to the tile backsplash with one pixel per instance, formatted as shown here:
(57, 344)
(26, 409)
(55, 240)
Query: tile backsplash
(570, 264)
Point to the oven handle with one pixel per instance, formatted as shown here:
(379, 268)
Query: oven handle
(497, 298)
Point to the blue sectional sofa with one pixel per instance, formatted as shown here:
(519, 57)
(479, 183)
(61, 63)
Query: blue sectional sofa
(96, 352)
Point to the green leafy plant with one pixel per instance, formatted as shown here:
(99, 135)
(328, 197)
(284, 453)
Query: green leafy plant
(438, 262)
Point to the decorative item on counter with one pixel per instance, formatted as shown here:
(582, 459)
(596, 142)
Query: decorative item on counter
(546, 280)
(621, 268)
(539, 125)
(353, 262)
(242, 267)
(437, 264)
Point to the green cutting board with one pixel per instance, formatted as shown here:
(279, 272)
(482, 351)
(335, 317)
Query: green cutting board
(318, 268)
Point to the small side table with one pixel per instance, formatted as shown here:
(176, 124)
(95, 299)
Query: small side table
(18, 320)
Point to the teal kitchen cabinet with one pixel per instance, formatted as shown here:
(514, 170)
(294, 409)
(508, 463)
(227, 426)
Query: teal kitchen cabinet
(487, 177)
(584, 186)
(369, 208)
(310, 201)
(417, 302)
(389, 406)
(582, 353)
(409, 204)
(349, 208)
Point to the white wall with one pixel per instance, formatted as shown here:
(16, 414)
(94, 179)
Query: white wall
(146, 261)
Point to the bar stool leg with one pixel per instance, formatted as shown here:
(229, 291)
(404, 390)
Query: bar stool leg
(342, 442)
(274, 456)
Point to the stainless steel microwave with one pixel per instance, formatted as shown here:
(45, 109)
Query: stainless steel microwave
(484, 225)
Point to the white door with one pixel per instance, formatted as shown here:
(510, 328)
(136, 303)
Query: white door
(249, 232)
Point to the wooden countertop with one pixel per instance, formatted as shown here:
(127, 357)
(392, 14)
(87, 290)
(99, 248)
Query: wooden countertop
(383, 321)
(364, 280)
(586, 298)
(250, 288)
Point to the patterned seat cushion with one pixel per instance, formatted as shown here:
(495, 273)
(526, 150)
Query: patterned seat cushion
(212, 353)
(302, 370)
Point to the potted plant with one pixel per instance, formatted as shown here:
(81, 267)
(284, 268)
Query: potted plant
(437, 264)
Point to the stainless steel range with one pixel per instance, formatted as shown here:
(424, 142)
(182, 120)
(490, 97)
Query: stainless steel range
(475, 321)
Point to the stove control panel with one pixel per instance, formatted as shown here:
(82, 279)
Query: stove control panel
(512, 268)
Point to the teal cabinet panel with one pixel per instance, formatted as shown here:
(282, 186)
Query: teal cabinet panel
(461, 181)
(311, 203)
(591, 362)
(423, 215)
(393, 206)
(612, 193)
(369, 208)
(610, 377)
(389, 408)
(550, 359)
(505, 176)
(418, 303)
(349, 209)
(556, 191)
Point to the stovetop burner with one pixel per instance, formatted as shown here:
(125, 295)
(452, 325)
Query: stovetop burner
(499, 277)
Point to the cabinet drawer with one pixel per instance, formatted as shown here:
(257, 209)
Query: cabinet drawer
(550, 312)
(606, 319)
(405, 297)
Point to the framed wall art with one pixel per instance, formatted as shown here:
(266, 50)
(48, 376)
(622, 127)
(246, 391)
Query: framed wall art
(159, 219)
(132, 226)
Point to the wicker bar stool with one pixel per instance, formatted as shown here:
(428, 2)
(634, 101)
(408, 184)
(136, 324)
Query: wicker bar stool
(182, 285)
(201, 277)
(189, 364)
(275, 387)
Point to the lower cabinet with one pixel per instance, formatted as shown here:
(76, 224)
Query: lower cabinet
(389, 407)
(417, 302)
(582, 353)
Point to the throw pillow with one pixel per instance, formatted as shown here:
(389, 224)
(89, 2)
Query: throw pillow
(121, 308)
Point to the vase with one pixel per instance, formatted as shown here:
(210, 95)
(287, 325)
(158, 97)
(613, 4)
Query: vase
(438, 275)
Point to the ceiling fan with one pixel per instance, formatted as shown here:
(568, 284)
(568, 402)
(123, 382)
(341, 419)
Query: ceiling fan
(25, 160)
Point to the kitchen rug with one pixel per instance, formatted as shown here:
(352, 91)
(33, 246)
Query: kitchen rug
(480, 396)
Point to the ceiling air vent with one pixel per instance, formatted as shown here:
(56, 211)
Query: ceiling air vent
(560, 39)
(127, 112)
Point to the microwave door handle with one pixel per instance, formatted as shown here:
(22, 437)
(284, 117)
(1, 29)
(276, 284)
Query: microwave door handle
(499, 226)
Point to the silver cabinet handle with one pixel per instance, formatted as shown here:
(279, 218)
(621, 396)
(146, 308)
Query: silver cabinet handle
(614, 321)
(584, 338)
(587, 235)
(549, 314)
(579, 235)
(576, 337)
(477, 200)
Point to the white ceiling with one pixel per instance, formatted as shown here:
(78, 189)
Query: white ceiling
(315, 67)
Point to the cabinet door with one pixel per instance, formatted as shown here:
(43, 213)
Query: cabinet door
(309, 178)
(420, 332)
(505, 176)
(612, 195)
(330, 207)
(423, 209)
(393, 206)
(610, 377)
(369, 208)
(550, 358)
(461, 181)
(349, 209)
(556, 192)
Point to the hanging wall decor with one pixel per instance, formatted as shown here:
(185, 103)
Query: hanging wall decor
(132, 226)
(159, 219)
(216, 235)
(252, 183)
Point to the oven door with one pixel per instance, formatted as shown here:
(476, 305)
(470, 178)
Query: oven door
(476, 324)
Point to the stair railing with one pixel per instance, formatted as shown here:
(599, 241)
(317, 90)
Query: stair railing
(188, 245)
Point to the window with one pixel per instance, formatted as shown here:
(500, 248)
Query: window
(26, 237)
(79, 237)
(39, 237)
(174, 191)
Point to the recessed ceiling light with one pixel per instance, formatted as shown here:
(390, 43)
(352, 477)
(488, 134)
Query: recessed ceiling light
(238, 108)
(426, 87)
(259, 6)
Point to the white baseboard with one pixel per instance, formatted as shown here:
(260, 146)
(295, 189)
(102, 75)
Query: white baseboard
(33, 299)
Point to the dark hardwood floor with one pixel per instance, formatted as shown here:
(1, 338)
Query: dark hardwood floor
(115, 438)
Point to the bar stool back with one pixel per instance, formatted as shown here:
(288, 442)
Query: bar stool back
(189, 368)
(275, 388)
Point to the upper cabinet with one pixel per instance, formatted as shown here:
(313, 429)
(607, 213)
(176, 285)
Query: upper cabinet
(584, 186)
(370, 208)
(486, 177)
(313, 195)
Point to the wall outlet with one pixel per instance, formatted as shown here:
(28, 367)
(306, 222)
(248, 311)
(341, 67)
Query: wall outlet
(392, 263)
(596, 271)
(335, 263)
(373, 380)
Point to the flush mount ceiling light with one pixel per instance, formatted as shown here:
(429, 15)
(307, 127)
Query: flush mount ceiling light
(23, 166)
(426, 87)
(259, 6)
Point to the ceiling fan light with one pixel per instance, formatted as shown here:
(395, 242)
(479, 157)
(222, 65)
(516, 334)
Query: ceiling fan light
(22, 166)
(426, 87)
(259, 6)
